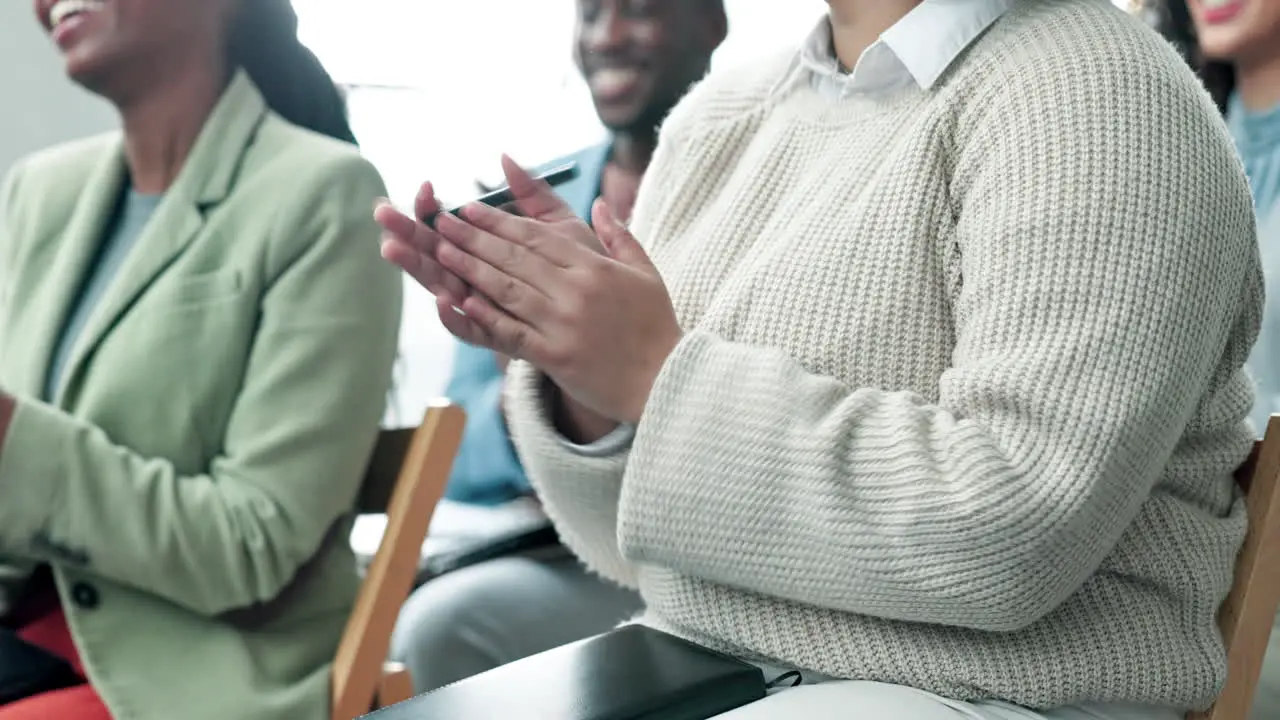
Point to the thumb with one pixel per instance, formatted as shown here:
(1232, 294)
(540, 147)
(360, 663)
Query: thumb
(618, 241)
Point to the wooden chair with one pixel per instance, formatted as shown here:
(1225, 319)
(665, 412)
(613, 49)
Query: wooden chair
(1247, 615)
(405, 479)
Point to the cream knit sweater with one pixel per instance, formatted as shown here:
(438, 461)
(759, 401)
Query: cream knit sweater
(960, 392)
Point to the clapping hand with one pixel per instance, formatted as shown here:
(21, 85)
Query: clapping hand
(586, 307)
(416, 257)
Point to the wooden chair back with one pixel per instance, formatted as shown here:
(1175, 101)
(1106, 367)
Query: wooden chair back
(1250, 610)
(406, 478)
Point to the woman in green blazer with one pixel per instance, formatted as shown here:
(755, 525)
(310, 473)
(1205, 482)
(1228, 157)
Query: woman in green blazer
(196, 342)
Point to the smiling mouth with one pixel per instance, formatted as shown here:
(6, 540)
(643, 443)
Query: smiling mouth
(1217, 11)
(615, 82)
(64, 10)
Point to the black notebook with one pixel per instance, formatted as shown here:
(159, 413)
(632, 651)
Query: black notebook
(632, 673)
(514, 542)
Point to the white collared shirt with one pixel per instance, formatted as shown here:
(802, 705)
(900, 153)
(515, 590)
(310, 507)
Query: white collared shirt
(916, 50)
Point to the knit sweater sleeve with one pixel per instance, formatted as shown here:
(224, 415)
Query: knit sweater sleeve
(579, 490)
(1106, 251)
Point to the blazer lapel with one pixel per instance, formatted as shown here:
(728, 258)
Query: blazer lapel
(206, 179)
(76, 249)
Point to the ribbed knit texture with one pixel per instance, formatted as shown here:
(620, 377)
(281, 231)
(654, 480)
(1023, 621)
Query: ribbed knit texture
(960, 393)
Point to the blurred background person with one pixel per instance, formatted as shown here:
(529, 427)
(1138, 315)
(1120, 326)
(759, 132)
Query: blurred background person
(638, 59)
(1235, 46)
(198, 337)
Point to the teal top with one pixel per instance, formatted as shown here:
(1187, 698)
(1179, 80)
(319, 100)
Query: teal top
(126, 227)
(1257, 136)
(486, 470)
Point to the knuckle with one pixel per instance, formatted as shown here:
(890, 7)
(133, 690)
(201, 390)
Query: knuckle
(571, 308)
(508, 292)
(458, 236)
(466, 266)
(530, 233)
(509, 255)
(462, 263)
(453, 284)
(519, 338)
(446, 254)
(420, 236)
(556, 356)
(592, 285)
(590, 239)
(533, 240)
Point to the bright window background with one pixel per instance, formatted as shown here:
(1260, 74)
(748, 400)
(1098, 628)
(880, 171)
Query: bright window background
(440, 88)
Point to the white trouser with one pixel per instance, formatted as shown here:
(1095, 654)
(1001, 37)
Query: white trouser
(859, 700)
(500, 611)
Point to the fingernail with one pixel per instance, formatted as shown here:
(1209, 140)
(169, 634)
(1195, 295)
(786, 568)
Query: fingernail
(470, 210)
(608, 212)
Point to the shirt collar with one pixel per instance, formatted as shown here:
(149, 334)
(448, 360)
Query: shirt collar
(917, 49)
(1256, 132)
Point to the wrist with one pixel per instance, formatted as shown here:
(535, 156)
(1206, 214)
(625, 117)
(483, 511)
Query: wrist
(574, 421)
(635, 409)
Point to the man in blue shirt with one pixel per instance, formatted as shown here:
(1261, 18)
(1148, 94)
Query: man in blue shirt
(639, 57)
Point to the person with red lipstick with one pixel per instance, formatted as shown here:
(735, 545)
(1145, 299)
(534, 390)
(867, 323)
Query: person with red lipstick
(197, 339)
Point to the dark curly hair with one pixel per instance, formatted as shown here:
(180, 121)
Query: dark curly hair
(264, 43)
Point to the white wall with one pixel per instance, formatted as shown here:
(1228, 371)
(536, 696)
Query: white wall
(38, 105)
(511, 87)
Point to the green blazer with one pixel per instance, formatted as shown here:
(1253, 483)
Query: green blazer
(193, 481)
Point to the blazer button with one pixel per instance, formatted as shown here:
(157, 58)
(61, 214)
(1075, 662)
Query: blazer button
(85, 595)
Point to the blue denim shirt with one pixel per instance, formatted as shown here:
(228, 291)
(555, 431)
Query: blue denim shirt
(1257, 136)
(487, 470)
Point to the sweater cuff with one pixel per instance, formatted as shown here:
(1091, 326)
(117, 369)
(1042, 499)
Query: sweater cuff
(579, 492)
(536, 437)
(618, 440)
(32, 462)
